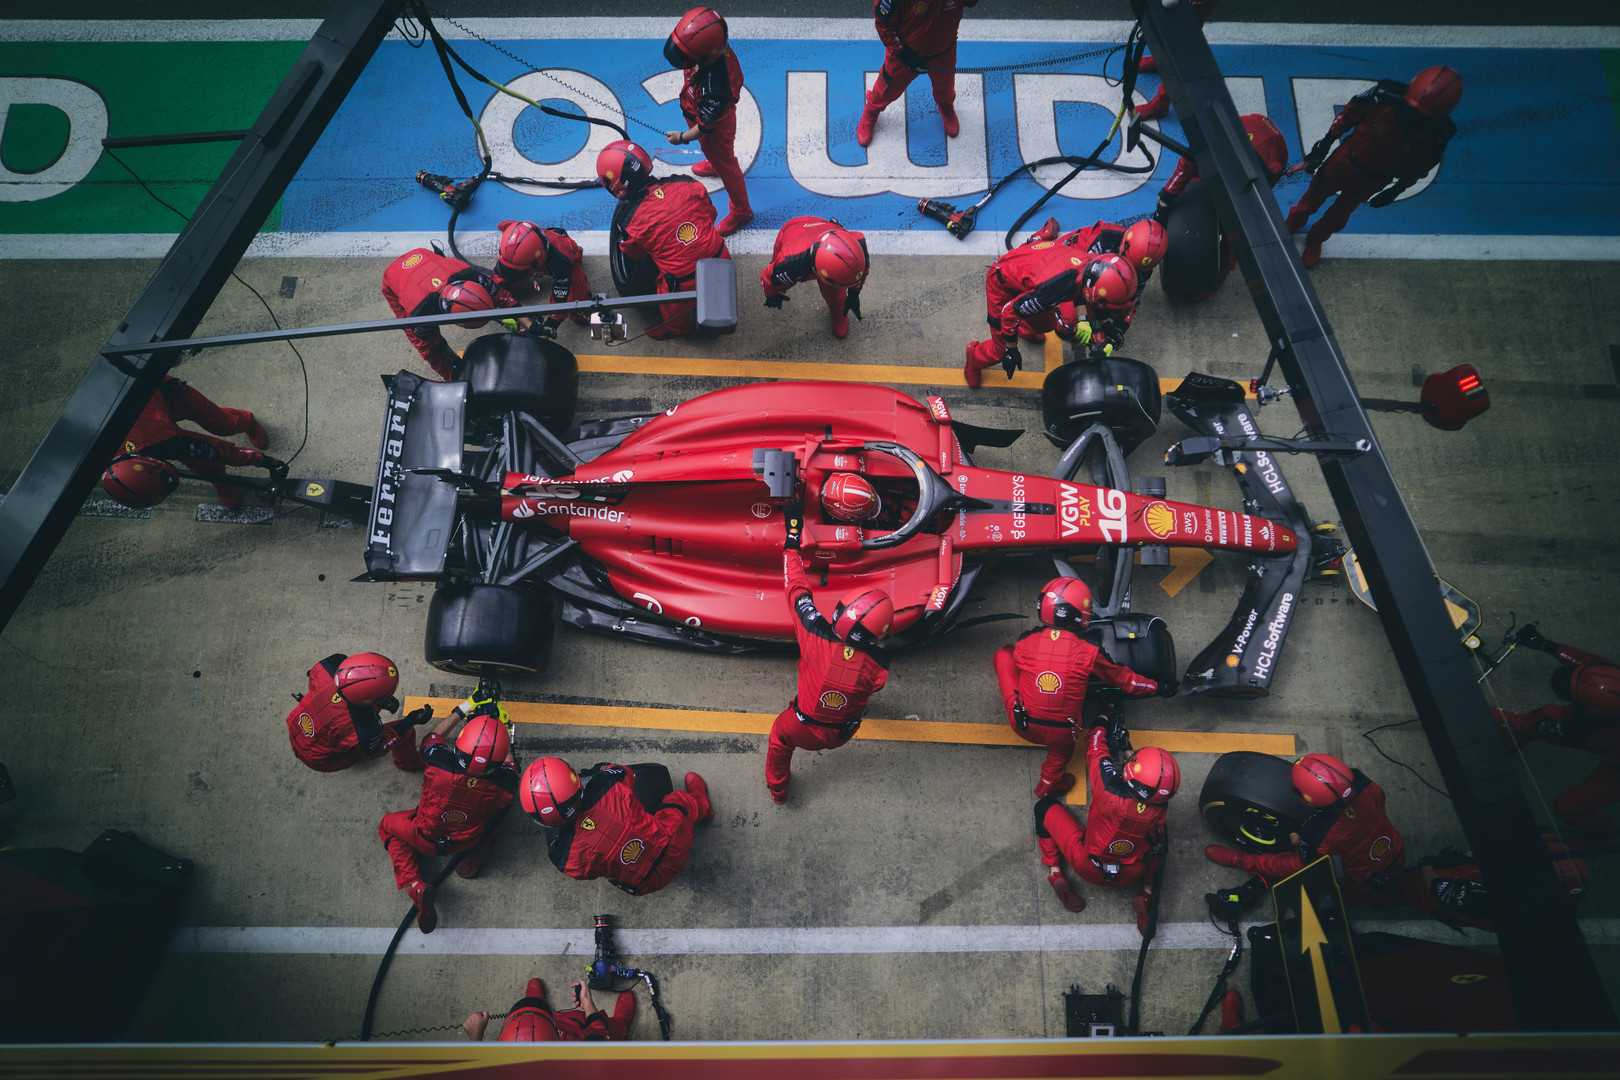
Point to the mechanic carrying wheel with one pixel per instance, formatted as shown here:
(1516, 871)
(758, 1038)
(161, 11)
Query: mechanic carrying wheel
(422, 282)
(1394, 135)
(529, 254)
(840, 663)
(336, 722)
(1591, 721)
(532, 1019)
(1037, 302)
(819, 248)
(465, 791)
(1044, 677)
(918, 36)
(714, 82)
(1348, 822)
(671, 221)
(1272, 149)
(626, 823)
(1123, 837)
(140, 475)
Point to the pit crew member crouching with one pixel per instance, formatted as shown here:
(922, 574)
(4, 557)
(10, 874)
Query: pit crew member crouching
(337, 723)
(529, 254)
(423, 282)
(1106, 282)
(813, 247)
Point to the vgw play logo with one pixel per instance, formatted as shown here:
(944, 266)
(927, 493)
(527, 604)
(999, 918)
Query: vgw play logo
(50, 135)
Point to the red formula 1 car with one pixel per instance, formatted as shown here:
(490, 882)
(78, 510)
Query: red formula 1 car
(668, 527)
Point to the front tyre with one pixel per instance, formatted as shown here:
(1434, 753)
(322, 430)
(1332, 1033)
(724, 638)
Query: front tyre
(1118, 392)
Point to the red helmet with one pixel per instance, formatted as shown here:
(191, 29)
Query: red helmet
(863, 611)
(840, 259)
(138, 481)
(366, 677)
(1435, 91)
(1322, 780)
(550, 792)
(848, 496)
(530, 1019)
(1153, 774)
(1109, 282)
(1144, 244)
(699, 37)
(485, 742)
(466, 296)
(1065, 601)
(523, 244)
(623, 167)
(1597, 687)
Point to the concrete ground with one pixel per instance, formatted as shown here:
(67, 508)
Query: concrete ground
(146, 677)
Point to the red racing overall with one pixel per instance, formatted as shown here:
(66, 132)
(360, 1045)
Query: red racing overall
(671, 221)
(1575, 726)
(157, 433)
(564, 264)
(709, 99)
(1122, 836)
(457, 812)
(792, 261)
(411, 285)
(1015, 273)
(1268, 142)
(615, 835)
(835, 681)
(572, 1025)
(329, 734)
(927, 28)
(1044, 677)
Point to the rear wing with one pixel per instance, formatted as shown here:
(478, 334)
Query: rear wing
(413, 514)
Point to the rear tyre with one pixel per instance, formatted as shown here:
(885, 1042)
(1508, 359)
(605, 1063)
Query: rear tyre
(516, 371)
(489, 630)
(1192, 266)
(1121, 393)
(631, 277)
(1249, 800)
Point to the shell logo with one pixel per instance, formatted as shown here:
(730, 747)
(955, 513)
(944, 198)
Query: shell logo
(452, 817)
(1161, 520)
(920, 7)
(832, 699)
(1074, 261)
(686, 233)
(631, 852)
(1121, 847)
(1042, 244)
(1232, 660)
(306, 724)
(1380, 847)
(1048, 682)
(410, 261)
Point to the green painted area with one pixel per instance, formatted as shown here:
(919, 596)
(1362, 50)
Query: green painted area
(149, 89)
(1611, 73)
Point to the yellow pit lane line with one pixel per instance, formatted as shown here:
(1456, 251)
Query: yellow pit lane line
(929, 731)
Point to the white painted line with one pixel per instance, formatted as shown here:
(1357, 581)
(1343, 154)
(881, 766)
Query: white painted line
(1048, 33)
(985, 244)
(848, 940)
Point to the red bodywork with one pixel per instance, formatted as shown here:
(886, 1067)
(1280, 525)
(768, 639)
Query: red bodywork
(683, 526)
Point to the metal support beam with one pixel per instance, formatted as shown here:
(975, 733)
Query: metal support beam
(1555, 985)
(41, 504)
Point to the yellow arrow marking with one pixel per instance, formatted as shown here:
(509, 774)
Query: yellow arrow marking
(1185, 563)
(1313, 936)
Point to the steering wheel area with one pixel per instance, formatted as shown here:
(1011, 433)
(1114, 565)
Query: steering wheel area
(934, 494)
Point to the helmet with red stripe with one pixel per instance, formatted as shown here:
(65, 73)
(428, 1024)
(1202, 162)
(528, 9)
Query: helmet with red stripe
(1322, 780)
(466, 296)
(623, 167)
(1153, 774)
(550, 792)
(1065, 601)
(1144, 244)
(530, 1019)
(840, 259)
(138, 481)
(483, 740)
(849, 496)
(366, 677)
(523, 243)
(1109, 283)
(1434, 91)
(863, 614)
(699, 37)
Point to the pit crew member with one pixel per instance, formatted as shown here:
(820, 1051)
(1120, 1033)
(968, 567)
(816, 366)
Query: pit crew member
(840, 663)
(1143, 244)
(532, 1019)
(1123, 837)
(1590, 721)
(337, 721)
(529, 254)
(671, 221)
(466, 789)
(819, 248)
(423, 282)
(918, 36)
(1394, 135)
(1347, 821)
(137, 476)
(1044, 677)
(626, 823)
(714, 82)
(1106, 282)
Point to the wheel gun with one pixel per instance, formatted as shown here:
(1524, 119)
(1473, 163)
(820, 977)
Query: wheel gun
(957, 222)
(605, 970)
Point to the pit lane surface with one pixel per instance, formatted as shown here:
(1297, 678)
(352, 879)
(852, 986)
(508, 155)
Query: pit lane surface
(148, 672)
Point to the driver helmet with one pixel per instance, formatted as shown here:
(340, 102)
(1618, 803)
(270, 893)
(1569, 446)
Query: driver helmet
(483, 741)
(1322, 780)
(366, 677)
(466, 296)
(840, 259)
(530, 1020)
(1152, 774)
(862, 615)
(848, 496)
(1065, 601)
(1109, 283)
(623, 168)
(523, 243)
(1595, 686)
(1434, 91)
(550, 792)
(1144, 244)
(699, 37)
(138, 481)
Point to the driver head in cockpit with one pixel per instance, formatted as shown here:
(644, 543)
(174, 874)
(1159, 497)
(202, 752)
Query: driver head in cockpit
(849, 497)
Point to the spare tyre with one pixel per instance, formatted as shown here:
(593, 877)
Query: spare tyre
(1192, 265)
(489, 630)
(1118, 392)
(523, 372)
(1249, 800)
(631, 277)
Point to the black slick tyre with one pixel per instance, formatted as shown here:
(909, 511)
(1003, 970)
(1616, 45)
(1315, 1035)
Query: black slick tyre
(1120, 393)
(518, 371)
(1249, 801)
(489, 630)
